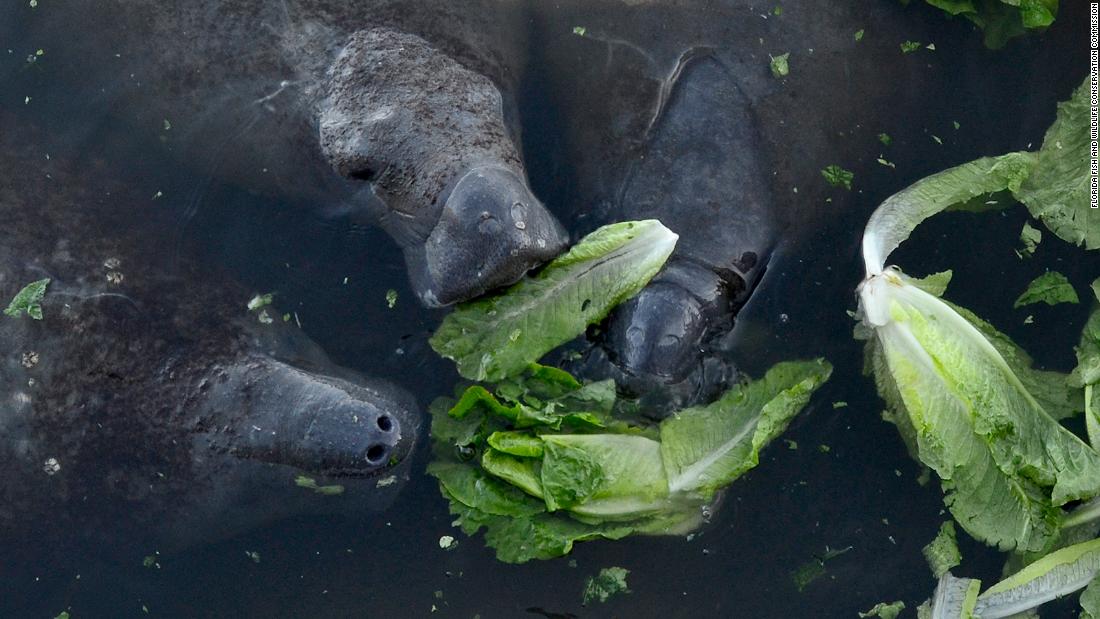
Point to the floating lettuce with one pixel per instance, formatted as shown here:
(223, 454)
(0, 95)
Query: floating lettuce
(1051, 288)
(962, 394)
(1057, 190)
(1006, 465)
(28, 300)
(1055, 575)
(1002, 19)
(1052, 183)
(942, 553)
(498, 336)
(541, 462)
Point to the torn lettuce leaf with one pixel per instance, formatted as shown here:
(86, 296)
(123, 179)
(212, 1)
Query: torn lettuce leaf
(1051, 288)
(610, 581)
(942, 553)
(513, 464)
(1030, 237)
(955, 598)
(896, 218)
(498, 336)
(1057, 574)
(1005, 464)
(882, 610)
(1057, 191)
(1090, 600)
(1001, 20)
(29, 300)
(705, 448)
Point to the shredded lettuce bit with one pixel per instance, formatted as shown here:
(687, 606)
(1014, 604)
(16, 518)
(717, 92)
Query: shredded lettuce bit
(942, 553)
(498, 336)
(882, 610)
(610, 581)
(542, 461)
(29, 300)
(1051, 288)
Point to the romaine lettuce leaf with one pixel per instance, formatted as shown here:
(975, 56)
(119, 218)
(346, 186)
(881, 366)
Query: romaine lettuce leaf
(1090, 600)
(896, 218)
(955, 598)
(508, 464)
(1058, 573)
(705, 448)
(499, 336)
(1004, 462)
(1057, 191)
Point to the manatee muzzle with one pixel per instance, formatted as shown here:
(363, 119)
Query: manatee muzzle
(329, 426)
(491, 231)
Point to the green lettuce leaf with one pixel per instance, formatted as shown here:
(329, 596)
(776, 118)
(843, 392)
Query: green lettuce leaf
(28, 300)
(955, 598)
(882, 610)
(498, 336)
(1090, 600)
(610, 581)
(1004, 462)
(942, 553)
(506, 464)
(1002, 20)
(896, 218)
(1055, 575)
(706, 448)
(1051, 288)
(1057, 191)
(1030, 237)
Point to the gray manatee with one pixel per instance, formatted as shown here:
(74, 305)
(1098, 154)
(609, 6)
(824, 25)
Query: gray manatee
(669, 109)
(390, 110)
(149, 409)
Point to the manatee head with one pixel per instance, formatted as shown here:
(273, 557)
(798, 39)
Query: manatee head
(444, 177)
(330, 426)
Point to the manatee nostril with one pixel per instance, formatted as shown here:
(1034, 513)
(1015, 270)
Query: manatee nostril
(488, 225)
(376, 454)
(385, 424)
(363, 174)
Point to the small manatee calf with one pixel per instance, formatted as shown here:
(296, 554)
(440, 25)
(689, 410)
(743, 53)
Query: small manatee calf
(150, 407)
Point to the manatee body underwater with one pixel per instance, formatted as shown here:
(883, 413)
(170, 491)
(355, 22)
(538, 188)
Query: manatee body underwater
(481, 136)
(406, 114)
(148, 408)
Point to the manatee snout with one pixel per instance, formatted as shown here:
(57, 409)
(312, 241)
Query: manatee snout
(660, 336)
(335, 427)
(446, 181)
(492, 230)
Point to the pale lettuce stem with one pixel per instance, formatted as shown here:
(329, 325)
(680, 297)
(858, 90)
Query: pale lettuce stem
(1085, 513)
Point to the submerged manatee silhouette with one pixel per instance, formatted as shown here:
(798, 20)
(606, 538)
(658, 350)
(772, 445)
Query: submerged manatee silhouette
(149, 408)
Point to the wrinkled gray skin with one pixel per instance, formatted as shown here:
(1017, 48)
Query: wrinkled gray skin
(404, 111)
(671, 112)
(340, 103)
(149, 409)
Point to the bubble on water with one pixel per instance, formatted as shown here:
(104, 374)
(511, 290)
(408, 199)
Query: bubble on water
(51, 466)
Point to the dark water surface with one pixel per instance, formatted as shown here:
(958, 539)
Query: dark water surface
(849, 483)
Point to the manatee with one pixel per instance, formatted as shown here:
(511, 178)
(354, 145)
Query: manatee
(670, 110)
(149, 408)
(391, 111)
